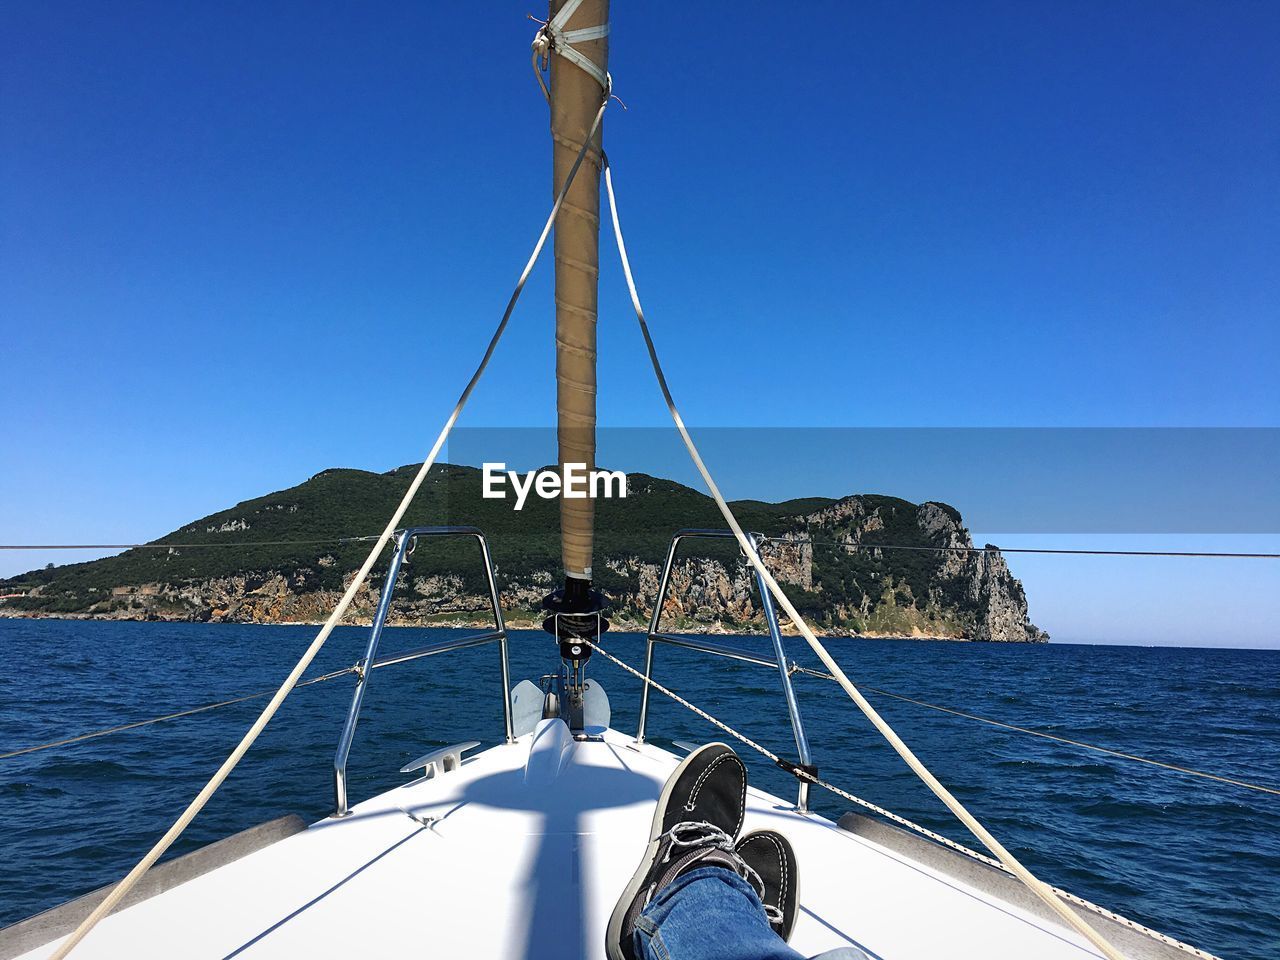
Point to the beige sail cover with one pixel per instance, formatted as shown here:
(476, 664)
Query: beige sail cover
(575, 98)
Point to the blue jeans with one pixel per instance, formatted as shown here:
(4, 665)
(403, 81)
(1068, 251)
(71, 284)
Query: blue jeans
(713, 914)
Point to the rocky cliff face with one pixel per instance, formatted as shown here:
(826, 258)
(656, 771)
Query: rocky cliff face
(949, 586)
(966, 594)
(853, 586)
(868, 565)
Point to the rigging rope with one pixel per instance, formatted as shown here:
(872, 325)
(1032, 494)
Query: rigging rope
(802, 774)
(196, 805)
(80, 738)
(1042, 890)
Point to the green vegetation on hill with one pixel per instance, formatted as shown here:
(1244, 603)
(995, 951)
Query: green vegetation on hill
(293, 529)
(298, 534)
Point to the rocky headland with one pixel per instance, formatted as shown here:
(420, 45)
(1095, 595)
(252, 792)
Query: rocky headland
(865, 565)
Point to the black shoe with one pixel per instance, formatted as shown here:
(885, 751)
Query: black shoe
(699, 814)
(770, 856)
(709, 786)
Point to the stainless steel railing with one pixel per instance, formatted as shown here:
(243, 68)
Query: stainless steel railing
(405, 541)
(724, 650)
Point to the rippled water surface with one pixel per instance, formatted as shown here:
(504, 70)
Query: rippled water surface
(1197, 859)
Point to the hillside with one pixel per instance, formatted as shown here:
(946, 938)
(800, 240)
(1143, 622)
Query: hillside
(280, 558)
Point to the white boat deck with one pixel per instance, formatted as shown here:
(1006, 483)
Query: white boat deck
(522, 852)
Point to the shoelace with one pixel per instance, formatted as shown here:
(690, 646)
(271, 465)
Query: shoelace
(700, 833)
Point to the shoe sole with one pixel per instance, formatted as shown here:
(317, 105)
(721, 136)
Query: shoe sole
(613, 935)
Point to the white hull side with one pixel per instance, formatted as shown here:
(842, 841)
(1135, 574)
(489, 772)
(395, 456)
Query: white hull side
(522, 852)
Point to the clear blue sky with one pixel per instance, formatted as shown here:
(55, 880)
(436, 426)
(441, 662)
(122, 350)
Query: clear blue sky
(240, 243)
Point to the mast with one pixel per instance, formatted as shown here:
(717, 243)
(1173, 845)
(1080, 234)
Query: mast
(575, 96)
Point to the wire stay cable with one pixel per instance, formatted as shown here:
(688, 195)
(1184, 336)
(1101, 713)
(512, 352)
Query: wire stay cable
(922, 548)
(793, 668)
(125, 885)
(1247, 785)
(837, 544)
(184, 546)
(803, 774)
(1038, 887)
(107, 731)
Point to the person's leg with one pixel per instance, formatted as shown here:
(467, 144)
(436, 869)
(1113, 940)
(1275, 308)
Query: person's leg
(695, 822)
(710, 913)
(699, 893)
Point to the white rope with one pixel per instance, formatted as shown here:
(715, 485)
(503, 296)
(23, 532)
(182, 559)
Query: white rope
(1038, 887)
(801, 773)
(552, 37)
(196, 805)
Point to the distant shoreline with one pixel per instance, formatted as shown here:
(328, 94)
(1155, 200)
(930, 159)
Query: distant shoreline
(897, 568)
(514, 620)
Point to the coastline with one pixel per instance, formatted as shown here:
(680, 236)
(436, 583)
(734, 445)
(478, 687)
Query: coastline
(513, 619)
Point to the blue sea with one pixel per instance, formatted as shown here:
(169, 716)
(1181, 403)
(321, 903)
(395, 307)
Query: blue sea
(1196, 859)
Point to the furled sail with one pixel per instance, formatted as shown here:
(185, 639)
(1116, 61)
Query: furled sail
(575, 95)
